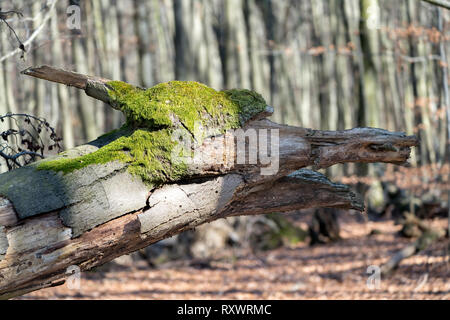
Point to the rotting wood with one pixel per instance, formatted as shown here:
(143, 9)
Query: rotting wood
(428, 237)
(42, 248)
(8, 216)
(92, 215)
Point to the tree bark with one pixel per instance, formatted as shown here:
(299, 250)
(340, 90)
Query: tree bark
(50, 221)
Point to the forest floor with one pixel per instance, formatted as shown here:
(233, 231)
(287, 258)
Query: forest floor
(331, 271)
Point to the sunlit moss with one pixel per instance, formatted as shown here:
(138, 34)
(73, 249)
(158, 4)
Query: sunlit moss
(167, 103)
(152, 115)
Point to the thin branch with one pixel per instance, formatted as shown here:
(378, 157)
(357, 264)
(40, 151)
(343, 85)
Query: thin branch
(440, 3)
(34, 35)
(23, 153)
(3, 15)
(94, 87)
(29, 142)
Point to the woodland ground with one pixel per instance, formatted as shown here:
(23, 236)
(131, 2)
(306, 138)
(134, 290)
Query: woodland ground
(332, 271)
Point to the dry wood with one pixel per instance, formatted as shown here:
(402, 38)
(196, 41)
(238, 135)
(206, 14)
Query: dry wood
(7, 215)
(428, 237)
(93, 86)
(50, 221)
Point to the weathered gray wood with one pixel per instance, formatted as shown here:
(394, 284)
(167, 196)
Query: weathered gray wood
(230, 195)
(3, 243)
(8, 217)
(94, 195)
(94, 87)
(42, 248)
(51, 221)
(189, 204)
(302, 188)
(85, 198)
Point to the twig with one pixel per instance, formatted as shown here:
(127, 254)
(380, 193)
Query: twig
(33, 36)
(440, 3)
(3, 16)
(6, 14)
(428, 237)
(28, 141)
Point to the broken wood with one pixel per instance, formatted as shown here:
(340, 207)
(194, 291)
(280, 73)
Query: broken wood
(428, 237)
(51, 220)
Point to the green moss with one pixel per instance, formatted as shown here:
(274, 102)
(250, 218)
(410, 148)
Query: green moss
(165, 104)
(145, 141)
(147, 154)
(277, 233)
(287, 232)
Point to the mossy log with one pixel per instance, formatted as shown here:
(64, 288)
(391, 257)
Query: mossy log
(124, 191)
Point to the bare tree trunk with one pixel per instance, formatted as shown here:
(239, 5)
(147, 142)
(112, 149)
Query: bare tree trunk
(184, 68)
(143, 32)
(237, 68)
(81, 61)
(112, 46)
(446, 100)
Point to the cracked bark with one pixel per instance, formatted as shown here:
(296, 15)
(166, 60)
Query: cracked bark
(50, 221)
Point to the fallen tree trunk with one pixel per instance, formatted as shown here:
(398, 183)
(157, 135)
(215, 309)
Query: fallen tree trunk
(69, 210)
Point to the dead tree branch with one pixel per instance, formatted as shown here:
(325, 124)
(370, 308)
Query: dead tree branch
(428, 237)
(440, 3)
(50, 221)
